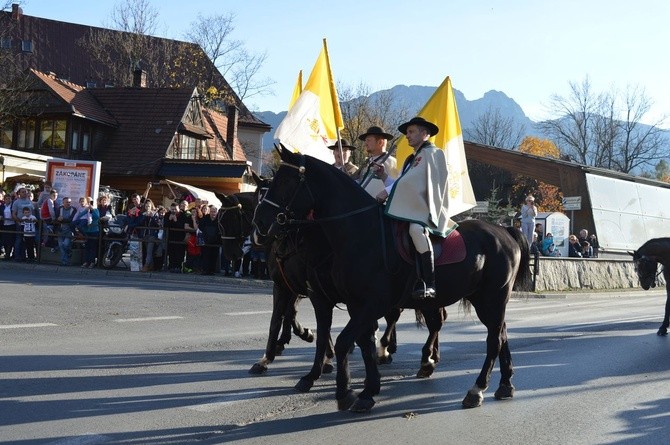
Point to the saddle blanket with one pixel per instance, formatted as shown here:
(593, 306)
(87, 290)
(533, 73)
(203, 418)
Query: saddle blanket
(447, 250)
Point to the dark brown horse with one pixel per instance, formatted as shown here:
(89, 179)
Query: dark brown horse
(367, 269)
(647, 258)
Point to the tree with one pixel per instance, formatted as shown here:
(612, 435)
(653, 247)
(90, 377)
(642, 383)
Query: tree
(361, 110)
(663, 171)
(493, 129)
(240, 67)
(605, 129)
(548, 198)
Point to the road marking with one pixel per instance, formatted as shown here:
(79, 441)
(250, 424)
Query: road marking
(130, 320)
(88, 439)
(247, 313)
(572, 326)
(27, 325)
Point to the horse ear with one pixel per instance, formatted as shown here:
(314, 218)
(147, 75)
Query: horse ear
(257, 179)
(277, 149)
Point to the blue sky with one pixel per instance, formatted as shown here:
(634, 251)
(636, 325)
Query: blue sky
(530, 50)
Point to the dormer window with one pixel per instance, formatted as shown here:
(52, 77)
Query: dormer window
(27, 46)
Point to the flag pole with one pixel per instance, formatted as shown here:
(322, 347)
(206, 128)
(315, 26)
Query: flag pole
(335, 100)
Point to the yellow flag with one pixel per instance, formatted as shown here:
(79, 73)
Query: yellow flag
(312, 123)
(296, 91)
(442, 111)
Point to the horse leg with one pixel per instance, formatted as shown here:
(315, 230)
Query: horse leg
(387, 342)
(324, 320)
(493, 318)
(434, 320)
(330, 354)
(279, 299)
(505, 390)
(663, 330)
(343, 394)
(303, 333)
(365, 400)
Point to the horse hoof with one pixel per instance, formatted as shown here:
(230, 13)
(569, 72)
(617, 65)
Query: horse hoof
(662, 332)
(347, 401)
(504, 392)
(362, 405)
(304, 385)
(425, 371)
(327, 368)
(258, 369)
(309, 336)
(385, 359)
(473, 400)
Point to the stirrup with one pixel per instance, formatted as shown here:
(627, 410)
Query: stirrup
(421, 291)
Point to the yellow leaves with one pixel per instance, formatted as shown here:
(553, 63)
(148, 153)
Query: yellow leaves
(539, 147)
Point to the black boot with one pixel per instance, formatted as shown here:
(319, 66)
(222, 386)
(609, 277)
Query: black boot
(425, 285)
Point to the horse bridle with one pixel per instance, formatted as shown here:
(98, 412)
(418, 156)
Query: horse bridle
(285, 217)
(653, 274)
(242, 217)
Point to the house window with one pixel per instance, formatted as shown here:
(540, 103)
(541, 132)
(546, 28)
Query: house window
(6, 42)
(26, 136)
(81, 137)
(90, 84)
(74, 140)
(27, 46)
(85, 138)
(6, 132)
(187, 147)
(52, 134)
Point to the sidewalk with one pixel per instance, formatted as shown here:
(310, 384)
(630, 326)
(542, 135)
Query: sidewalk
(120, 272)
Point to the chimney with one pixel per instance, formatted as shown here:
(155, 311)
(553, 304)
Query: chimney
(231, 132)
(139, 78)
(17, 12)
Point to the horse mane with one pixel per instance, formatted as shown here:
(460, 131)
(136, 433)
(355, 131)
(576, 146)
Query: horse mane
(657, 249)
(326, 174)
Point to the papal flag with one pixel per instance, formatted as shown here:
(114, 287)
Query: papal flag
(312, 123)
(441, 110)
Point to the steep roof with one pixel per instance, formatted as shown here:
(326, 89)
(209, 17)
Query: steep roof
(217, 124)
(81, 102)
(55, 49)
(148, 119)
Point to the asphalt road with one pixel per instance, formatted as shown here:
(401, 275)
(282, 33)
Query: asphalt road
(93, 358)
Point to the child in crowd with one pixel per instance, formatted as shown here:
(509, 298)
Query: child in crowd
(29, 224)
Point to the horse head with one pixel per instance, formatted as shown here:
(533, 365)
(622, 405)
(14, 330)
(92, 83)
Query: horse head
(646, 267)
(288, 196)
(234, 219)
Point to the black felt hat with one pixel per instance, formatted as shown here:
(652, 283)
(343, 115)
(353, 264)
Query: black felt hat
(345, 146)
(375, 131)
(431, 127)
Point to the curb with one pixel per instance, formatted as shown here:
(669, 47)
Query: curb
(119, 272)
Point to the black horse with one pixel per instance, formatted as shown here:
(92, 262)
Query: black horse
(234, 218)
(646, 260)
(368, 269)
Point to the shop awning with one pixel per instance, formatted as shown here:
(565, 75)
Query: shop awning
(198, 193)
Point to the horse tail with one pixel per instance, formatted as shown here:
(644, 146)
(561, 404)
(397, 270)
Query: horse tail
(524, 278)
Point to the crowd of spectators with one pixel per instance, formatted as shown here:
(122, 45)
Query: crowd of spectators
(183, 238)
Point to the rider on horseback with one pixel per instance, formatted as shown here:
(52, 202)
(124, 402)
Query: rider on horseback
(420, 197)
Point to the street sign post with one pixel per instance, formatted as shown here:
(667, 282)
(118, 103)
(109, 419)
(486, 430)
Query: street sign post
(572, 203)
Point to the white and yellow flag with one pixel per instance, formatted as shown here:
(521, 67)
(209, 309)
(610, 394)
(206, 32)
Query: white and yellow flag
(297, 90)
(441, 110)
(312, 122)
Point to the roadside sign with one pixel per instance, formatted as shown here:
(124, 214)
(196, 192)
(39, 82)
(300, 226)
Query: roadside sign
(572, 203)
(481, 207)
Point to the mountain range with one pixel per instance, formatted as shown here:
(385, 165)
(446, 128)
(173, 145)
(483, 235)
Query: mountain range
(413, 97)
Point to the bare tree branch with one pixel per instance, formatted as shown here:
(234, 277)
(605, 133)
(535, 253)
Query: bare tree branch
(491, 128)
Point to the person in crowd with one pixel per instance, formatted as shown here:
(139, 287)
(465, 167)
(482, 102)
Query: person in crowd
(539, 231)
(535, 246)
(8, 226)
(88, 219)
(136, 209)
(587, 250)
(147, 229)
(258, 260)
(29, 229)
(591, 239)
(160, 250)
(528, 214)
(105, 209)
(420, 197)
(44, 194)
(548, 246)
(176, 225)
(48, 211)
(243, 264)
(18, 205)
(209, 227)
(342, 157)
(65, 230)
(574, 248)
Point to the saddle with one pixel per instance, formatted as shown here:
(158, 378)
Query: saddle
(447, 250)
